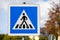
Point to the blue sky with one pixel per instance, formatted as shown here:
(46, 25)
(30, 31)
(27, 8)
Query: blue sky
(44, 5)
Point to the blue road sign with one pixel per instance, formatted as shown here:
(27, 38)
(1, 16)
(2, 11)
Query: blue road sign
(24, 20)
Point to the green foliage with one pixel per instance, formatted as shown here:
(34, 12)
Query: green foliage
(43, 38)
(6, 37)
(1, 36)
(27, 38)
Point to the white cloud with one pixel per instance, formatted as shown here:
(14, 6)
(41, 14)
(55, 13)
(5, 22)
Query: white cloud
(3, 21)
(4, 5)
(44, 13)
(56, 1)
(44, 9)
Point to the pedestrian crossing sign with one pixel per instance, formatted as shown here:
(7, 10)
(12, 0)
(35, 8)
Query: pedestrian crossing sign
(24, 20)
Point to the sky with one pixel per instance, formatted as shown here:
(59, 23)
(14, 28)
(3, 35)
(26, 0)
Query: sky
(44, 5)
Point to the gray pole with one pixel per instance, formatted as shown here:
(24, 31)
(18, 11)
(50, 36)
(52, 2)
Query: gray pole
(23, 38)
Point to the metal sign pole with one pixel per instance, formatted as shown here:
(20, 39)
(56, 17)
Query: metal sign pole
(23, 38)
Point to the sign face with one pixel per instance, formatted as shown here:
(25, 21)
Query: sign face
(24, 20)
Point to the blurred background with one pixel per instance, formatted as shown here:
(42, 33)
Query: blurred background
(49, 20)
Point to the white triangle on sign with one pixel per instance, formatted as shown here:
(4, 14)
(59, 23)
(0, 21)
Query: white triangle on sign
(24, 26)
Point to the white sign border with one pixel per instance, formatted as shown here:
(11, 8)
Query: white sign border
(38, 6)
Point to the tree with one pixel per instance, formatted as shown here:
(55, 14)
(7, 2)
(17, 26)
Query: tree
(7, 37)
(52, 26)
